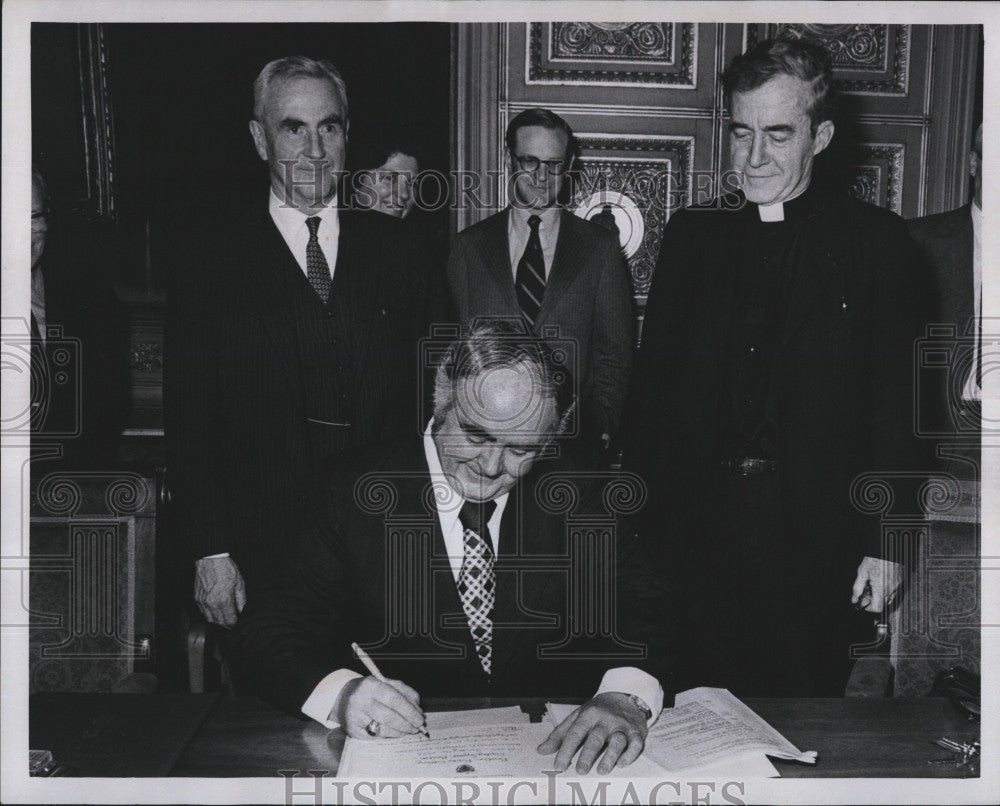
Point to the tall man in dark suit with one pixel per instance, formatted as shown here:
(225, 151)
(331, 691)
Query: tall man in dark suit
(293, 335)
(951, 245)
(539, 262)
(452, 562)
(774, 368)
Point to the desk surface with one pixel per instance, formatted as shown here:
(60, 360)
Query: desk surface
(245, 737)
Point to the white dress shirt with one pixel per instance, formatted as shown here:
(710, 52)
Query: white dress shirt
(627, 679)
(291, 223)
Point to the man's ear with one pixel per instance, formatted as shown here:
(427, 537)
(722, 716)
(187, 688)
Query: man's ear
(824, 134)
(259, 141)
(973, 163)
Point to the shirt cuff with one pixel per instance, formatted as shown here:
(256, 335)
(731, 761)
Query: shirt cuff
(630, 680)
(216, 556)
(320, 703)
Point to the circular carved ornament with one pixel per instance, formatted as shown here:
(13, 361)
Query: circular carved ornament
(610, 204)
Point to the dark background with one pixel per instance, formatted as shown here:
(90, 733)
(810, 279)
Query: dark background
(181, 97)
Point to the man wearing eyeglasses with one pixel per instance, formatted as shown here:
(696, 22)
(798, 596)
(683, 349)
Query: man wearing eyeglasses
(565, 278)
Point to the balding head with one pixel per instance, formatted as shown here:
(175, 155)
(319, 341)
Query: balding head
(499, 400)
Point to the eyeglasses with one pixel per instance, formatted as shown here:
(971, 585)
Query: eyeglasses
(532, 164)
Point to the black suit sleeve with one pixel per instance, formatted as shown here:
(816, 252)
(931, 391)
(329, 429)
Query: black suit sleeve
(898, 306)
(293, 635)
(612, 339)
(649, 607)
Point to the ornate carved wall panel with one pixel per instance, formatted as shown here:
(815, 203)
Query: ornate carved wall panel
(888, 166)
(621, 64)
(868, 59)
(637, 180)
(880, 180)
(636, 54)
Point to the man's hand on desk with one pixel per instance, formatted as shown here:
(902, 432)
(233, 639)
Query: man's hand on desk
(611, 722)
(219, 590)
(392, 704)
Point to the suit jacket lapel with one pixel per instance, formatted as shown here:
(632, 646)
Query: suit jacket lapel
(570, 255)
(525, 531)
(494, 249)
(267, 272)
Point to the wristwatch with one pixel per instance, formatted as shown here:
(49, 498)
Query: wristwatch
(639, 703)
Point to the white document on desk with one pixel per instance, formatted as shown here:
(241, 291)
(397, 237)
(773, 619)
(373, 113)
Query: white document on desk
(444, 720)
(475, 751)
(709, 725)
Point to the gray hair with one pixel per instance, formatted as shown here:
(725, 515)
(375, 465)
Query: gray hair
(294, 67)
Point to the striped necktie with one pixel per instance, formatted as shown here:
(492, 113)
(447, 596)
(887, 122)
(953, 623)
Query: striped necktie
(476, 580)
(530, 280)
(317, 269)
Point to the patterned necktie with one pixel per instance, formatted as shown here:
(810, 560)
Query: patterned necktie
(476, 580)
(317, 269)
(530, 281)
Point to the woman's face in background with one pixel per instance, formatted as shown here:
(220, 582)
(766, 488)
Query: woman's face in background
(393, 184)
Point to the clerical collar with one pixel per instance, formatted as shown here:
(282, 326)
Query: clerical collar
(771, 212)
(790, 209)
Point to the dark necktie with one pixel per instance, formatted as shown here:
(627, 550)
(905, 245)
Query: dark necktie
(476, 580)
(317, 269)
(530, 280)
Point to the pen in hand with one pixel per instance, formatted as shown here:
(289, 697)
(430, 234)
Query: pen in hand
(376, 673)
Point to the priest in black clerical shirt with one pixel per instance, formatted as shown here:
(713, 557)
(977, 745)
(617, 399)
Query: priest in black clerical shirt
(775, 368)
